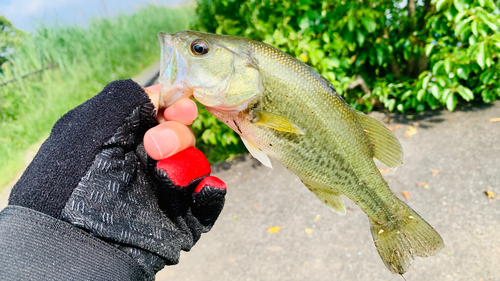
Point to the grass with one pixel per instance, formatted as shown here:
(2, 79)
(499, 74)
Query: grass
(82, 61)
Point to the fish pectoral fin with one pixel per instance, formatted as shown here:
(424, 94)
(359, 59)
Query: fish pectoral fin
(257, 153)
(331, 198)
(275, 121)
(385, 146)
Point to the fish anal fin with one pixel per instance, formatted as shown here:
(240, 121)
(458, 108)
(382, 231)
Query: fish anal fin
(329, 197)
(257, 153)
(386, 147)
(275, 121)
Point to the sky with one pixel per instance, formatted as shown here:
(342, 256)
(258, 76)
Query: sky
(26, 14)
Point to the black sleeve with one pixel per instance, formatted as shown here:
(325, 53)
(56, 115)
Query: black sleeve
(36, 246)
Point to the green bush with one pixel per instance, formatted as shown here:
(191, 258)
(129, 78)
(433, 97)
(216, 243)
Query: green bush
(426, 55)
(10, 39)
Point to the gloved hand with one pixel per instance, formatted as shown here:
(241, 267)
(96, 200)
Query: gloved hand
(94, 173)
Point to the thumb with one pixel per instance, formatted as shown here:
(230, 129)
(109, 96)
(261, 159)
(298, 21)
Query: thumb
(208, 200)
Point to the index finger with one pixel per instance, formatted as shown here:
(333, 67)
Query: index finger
(184, 110)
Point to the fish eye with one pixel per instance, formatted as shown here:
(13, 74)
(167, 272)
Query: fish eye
(199, 47)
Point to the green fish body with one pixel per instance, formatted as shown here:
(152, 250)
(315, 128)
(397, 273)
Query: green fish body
(284, 109)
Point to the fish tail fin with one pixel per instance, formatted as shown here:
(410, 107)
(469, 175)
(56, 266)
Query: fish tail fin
(399, 241)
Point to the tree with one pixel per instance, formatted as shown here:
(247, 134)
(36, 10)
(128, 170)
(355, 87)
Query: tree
(10, 39)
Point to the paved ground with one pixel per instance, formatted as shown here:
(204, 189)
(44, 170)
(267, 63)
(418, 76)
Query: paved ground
(463, 149)
(148, 76)
(28, 156)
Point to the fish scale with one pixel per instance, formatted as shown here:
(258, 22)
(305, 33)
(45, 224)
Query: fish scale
(285, 110)
(302, 96)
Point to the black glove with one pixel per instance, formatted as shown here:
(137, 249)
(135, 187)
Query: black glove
(94, 173)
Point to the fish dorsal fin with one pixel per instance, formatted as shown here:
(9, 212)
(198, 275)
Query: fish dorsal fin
(257, 153)
(385, 145)
(329, 197)
(275, 121)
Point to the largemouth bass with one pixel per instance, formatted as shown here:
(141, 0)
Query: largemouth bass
(285, 110)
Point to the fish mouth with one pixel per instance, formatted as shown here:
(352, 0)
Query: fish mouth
(173, 69)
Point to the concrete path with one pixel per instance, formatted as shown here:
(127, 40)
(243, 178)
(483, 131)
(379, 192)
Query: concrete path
(28, 156)
(148, 76)
(450, 161)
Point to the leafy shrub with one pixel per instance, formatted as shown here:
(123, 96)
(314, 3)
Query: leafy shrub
(425, 55)
(10, 39)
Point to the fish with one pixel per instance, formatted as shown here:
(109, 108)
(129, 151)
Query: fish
(283, 109)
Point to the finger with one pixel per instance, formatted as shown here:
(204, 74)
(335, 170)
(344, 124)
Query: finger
(184, 111)
(185, 168)
(153, 93)
(208, 200)
(154, 88)
(167, 139)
